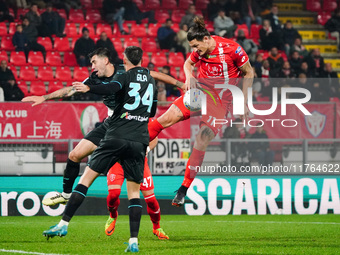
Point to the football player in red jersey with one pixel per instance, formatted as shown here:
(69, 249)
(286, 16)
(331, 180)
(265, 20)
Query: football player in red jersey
(220, 59)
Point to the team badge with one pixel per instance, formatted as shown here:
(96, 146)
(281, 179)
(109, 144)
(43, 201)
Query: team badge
(315, 123)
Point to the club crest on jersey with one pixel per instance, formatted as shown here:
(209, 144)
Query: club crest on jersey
(315, 123)
(214, 70)
(112, 177)
(238, 49)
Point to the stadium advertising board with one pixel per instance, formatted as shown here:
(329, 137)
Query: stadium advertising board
(207, 195)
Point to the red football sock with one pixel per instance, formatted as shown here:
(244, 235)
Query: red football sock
(153, 210)
(195, 159)
(154, 129)
(113, 202)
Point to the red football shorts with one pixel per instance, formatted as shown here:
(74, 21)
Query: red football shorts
(115, 176)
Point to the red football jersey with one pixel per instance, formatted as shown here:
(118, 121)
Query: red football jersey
(223, 62)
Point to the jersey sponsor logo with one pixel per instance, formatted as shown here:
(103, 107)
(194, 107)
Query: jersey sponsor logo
(238, 49)
(315, 123)
(211, 56)
(127, 116)
(244, 58)
(241, 53)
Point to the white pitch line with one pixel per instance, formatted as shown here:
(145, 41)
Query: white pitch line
(269, 222)
(27, 252)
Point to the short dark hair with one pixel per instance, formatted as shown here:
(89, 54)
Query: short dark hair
(101, 52)
(134, 54)
(168, 20)
(198, 30)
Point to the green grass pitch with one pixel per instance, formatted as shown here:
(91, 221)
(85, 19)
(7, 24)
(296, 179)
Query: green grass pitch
(267, 234)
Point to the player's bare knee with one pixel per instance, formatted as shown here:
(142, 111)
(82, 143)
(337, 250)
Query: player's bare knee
(75, 156)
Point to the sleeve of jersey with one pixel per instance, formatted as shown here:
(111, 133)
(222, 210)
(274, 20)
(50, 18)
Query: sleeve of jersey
(239, 56)
(194, 57)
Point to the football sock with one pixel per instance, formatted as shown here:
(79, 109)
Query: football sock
(133, 240)
(153, 210)
(63, 223)
(113, 202)
(77, 197)
(195, 161)
(154, 129)
(71, 172)
(135, 213)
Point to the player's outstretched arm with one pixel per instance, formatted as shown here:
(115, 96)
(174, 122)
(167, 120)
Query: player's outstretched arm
(60, 93)
(190, 80)
(167, 79)
(248, 77)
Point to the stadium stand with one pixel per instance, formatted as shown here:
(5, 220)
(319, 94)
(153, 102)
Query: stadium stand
(35, 58)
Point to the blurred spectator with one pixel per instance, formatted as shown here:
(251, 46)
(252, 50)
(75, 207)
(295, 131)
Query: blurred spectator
(320, 91)
(170, 89)
(213, 7)
(67, 5)
(274, 18)
(261, 151)
(11, 91)
(286, 72)
(315, 62)
(84, 45)
(263, 73)
(289, 36)
(331, 78)
(275, 62)
(239, 149)
(114, 11)
(267, 37)
(305, 70)
(264, 5)
(34, 17)
(161, 96)
(297, 46)
(105, 42)
(5, 73)
(20, 40)
(182, 38)
(252, 13)
(21, 4)
(234, 11)
(4, 12)
(52, 22)
(333, 26)
(224, 26)
(132, 12)
(32, 36)
(258, 61)
(167, 38)
(188, 18)
(247, 44)
(295, 62)
(151, 66)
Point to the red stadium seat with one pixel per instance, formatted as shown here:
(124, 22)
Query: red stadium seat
(87, 4)
(76, 17)
(244, 28)
(210, 26)
(255, 31)
(21, 12)
(18, 58)
(153, 28)
(46, 42)
(6, 43)
(70, 59)
(35, 58)
(54, 86)
(138, 30)
(71, 30)
(12, 28)
(62, 13)
(181, 76)
(329, 5)
(98, 4)
(149, 45)
(146, 60)
(27, 73)
(104, 28)
(159, 59)
(132, 41)
(152, 4)
(80, 73)
(3, 29)
(93, 17)
(62, 44)
(161, 16)
(173, 72)
(175, 27)
(117, 44)
(53, 58)
(184, 4)
(323, 17)
(177, 15)
(63, 73)
(37, 88)
(23, 86)
(45, 73)
(89, 26)
(14, 71)
(201, 4)
(3, 56)
(313, 5)
(169, 5)
(176, 59)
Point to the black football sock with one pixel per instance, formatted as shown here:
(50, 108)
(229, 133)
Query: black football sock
(76, 199)
(183, 190)
(71, 172)
(135, 213)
